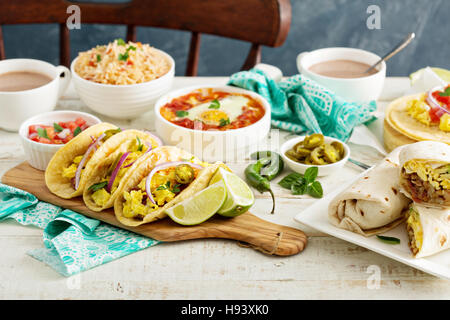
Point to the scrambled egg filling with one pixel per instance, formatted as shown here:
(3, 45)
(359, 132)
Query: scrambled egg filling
(164, 188)
(437, 174)
(137, 149)
(419, 110)
(71, 170)
(444, 124)
(415, 225)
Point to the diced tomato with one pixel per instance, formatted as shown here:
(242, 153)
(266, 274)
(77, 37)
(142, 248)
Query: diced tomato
(80, 122)
(44, 140)
(72, 126)
(32, 129)
(433, 116)
(50, 132)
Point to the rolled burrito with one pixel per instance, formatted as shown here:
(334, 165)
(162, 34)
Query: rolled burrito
(428, 230)
(373, 204)
(425, 173)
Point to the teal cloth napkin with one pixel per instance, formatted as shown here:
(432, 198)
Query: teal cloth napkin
(301, 105)
(72, 242)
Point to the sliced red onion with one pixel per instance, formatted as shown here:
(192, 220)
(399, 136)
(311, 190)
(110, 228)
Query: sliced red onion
(149, 145)
(116, 171)
(83, 160)
(435, 104)
(33, 135)
(158, 140)
(163, 166)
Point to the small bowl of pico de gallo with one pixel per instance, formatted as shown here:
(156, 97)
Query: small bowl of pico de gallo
(44, 134)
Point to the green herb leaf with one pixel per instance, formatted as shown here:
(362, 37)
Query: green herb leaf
(446, 92)
(163, 187)
(389, 240)
(76, 131)
(131, 48)
(123, 56)
(98, 186)
(299, 187)
(315, 190)
(140, 145)
(287, 181)
(99, 58)
(181, 113)
(224, 122)
(57, 127)
(176, 188)
(311, 174)
(120, 42)
(42, 133)
(215, 104)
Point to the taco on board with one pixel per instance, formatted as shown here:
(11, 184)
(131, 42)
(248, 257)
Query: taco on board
(162, 178)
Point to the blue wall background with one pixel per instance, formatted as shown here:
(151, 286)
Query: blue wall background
(315, 24)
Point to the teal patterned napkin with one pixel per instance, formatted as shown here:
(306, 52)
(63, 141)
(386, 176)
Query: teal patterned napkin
(300, 105)
(72, 242)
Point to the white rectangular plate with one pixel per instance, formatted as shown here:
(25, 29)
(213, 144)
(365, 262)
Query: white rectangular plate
(316, 217)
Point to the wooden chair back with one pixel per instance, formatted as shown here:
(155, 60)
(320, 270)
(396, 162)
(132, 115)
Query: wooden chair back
(261, 22)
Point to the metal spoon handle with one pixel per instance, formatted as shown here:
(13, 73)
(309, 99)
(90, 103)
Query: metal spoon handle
(394, 51)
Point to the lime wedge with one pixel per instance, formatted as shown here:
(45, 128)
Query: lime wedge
(200, 207)
(239, 195)
(442, 73)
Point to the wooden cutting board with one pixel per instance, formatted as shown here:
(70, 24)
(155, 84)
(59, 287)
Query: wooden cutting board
(248, 229)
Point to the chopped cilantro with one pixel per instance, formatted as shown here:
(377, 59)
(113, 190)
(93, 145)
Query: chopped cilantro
(181, 113)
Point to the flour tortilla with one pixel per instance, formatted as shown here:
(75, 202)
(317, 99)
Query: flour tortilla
(95, 174)
(433, 151)
(398, 118)
(153, 158)
(63, 158)
(436, 230)
(373, 204)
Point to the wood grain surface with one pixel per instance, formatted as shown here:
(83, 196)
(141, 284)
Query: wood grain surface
(254, 232)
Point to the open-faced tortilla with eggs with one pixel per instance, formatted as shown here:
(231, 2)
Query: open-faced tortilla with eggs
(425, 173)
(164, 177)
(428, 230)
(421, 116)
(373, 204)
(107, 178)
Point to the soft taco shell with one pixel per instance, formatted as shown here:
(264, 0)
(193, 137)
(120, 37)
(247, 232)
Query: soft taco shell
(95, 173)
(153, 158)
(54, 180)
(398, 118)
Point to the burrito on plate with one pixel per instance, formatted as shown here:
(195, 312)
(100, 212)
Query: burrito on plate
(428, 230)
(162, 178)
(425, 173)
(106, 179)
(373, 204)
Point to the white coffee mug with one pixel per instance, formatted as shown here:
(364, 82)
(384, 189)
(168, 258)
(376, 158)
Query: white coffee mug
(17, 106)
(355, 89)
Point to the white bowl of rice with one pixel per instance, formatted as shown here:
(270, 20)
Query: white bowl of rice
(122, 80)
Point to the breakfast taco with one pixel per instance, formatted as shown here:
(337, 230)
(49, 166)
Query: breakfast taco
(106, 179)
(424, 116)
(66, 174)
(164, 177)
(425, 173)
(371, 205)
(428, 230)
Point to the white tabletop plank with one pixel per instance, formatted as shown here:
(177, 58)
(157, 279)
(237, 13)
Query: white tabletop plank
(329, 268)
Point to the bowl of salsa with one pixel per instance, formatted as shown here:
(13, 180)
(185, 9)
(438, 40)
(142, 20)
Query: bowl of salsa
(44, 134)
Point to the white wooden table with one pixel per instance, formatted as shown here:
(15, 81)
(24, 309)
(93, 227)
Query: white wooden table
(328, 268)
